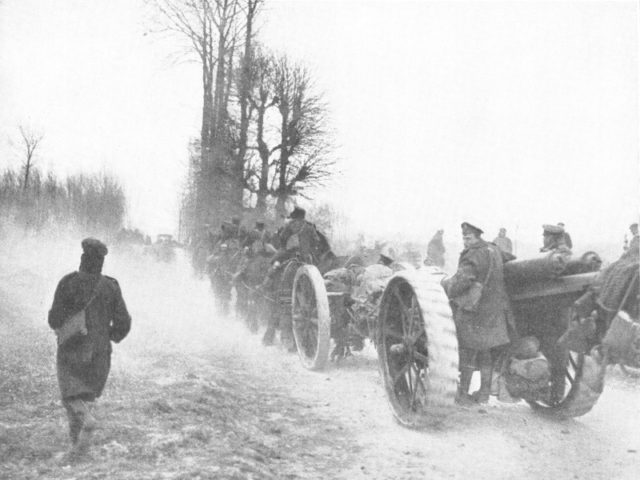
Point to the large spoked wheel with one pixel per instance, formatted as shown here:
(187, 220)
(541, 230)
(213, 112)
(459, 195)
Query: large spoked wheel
(577, 392)
(311, 317)
(417, 348)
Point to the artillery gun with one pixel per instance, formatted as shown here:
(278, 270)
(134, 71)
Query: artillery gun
(414, 334)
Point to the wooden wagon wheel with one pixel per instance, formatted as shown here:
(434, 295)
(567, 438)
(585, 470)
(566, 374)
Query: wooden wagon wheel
(311, 317)
(417, 348)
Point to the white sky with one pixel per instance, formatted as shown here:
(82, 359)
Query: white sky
(511, 113)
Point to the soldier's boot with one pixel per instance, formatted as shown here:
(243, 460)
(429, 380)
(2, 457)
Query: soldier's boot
(286, 335)
(269, 336)
(482, 395)
(86, 433)
(463, 397)
(81, 426)
(75, 422)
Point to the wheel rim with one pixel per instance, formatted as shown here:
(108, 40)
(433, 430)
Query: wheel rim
(403, 343)
(305, 317)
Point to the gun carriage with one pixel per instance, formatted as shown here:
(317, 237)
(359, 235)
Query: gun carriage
(412, 328)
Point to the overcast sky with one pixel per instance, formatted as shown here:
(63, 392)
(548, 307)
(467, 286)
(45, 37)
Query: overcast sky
(510, 113)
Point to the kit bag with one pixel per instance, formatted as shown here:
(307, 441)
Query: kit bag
(76, 325)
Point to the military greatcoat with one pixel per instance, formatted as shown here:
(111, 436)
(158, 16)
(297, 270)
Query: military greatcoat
(83, 364)
(491, 324)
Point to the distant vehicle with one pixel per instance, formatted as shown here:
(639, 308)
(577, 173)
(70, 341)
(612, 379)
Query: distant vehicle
(163, 248)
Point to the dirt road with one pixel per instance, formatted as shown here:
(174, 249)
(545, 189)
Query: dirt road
(195, 396)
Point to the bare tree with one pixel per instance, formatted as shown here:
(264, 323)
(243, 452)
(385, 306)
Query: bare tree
(244, 81)
(305, 141)
(214, 29)
(261, 98)
(30, 140)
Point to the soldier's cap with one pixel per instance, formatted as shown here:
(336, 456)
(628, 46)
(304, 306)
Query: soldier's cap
(94, 247)
(235, 221)
(552, 229)
(259, 225)
(298, 212)
(469, 228)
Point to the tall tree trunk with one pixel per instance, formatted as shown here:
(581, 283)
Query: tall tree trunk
(283, 193)
(263, 151)
(245, 82)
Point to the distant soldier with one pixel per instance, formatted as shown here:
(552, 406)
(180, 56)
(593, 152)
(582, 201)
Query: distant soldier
(503, 242)
(251, 271)
(481, 311)
(436, 250)
(634, 245)
(567, 237)
(235, 225)
(388, 259)
(84, 360)
(221, 265)
(553, 239)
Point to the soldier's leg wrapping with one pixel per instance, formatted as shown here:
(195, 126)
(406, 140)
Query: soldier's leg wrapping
(467, 365)
(485, 363)
(272, 324)
(75, 420)
(81, 422)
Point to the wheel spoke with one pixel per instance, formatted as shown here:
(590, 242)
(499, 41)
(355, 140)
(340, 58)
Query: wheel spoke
(569, 377)
(388, 332)
(423, 358)
(406, 315)
(573, 362)
(401, 373)
(301, 300)
(415, 390)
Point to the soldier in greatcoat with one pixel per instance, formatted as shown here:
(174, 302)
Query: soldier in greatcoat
(481, 310)
(84, 361)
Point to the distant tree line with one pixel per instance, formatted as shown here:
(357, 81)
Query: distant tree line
(264, 137)
(93, 202)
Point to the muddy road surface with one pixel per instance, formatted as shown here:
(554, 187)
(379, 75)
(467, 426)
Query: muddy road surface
(193, 395)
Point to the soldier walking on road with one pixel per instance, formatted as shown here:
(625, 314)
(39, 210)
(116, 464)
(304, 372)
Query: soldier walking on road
(481, 311)
(84, 360)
